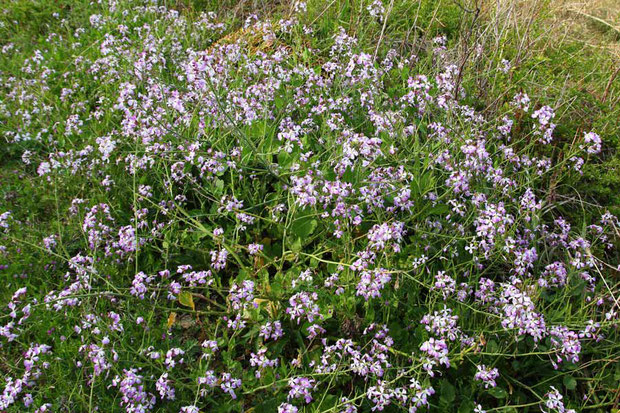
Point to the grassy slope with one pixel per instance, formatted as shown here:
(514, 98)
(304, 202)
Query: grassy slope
(554, 66)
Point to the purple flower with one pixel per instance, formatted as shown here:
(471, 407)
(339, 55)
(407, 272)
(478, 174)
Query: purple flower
(166, 391)
(544, 115)
(376, 10)
(218, 259)
(127, 241)
(139, 284)
(271, 330)
(554, 402)
(445, 284)
(380, 395)
(436, 349)
(170, 361)
(260, 360)
(519, 313)
(133, 394)
(566, 343)
(209, 379)
(241, 296)
(372, 282)
(487, 375)
(229, 384)
(381, 235)
(254, 249)
(287, 408)
(300, 388)
(592, 143)
(303, 305)
(545, 127)
(442, 324)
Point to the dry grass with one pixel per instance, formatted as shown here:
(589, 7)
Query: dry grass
(596, 23)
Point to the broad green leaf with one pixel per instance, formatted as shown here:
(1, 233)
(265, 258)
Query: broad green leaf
(447, 391)
(569, 382)
(186, 299)
(498, 392)
(303, 227)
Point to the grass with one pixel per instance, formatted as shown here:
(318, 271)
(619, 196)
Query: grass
(174, 192)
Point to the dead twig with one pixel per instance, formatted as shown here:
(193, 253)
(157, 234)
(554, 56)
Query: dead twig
(468, 51)
(611, 80)
(385, 20)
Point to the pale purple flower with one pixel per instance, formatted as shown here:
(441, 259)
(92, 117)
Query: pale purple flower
(376, 10)
(229, 384)
(553, 402)
(486, 375)
(166, 391)
(271, 331)
(372, 282)
(303, 305)
(593, 143)
(287, 408)
(300, 388)
(254, 249)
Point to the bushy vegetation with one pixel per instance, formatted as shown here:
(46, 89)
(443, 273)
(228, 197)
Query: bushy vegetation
(322, 207)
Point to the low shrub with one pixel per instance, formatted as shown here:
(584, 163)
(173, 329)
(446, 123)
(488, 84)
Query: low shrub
(201, 216)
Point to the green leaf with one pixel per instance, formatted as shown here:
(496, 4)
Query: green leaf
(569, 382)
(219, 187)
(447, 391)
(186, 299)
(303, 227)
(269, 405)
(284, 159)
(440, 210)
(498, 393)
(404, 74)
(295, 248)
(467, 407)
(280, 102)
(370, 313)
